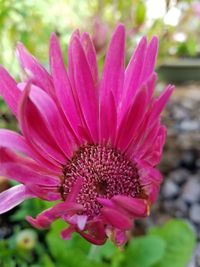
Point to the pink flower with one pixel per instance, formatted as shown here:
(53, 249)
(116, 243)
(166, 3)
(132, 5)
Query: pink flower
(196, 9)
(99, 36)
(91, 144)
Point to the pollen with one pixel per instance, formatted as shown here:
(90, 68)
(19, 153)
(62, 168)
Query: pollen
(106, 172)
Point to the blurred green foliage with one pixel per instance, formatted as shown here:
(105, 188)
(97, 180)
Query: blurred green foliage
(32, 21)
(169, 245)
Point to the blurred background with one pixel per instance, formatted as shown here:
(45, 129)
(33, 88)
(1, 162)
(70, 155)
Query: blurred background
(171, 235)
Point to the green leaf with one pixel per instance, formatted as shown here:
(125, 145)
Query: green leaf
(107, 251)
(140, 13)
(144, 251)
(70, 253)
(180, 241)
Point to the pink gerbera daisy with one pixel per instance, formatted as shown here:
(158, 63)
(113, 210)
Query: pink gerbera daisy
(90, 144)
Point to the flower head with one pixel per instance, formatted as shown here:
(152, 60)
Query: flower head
(90, 144)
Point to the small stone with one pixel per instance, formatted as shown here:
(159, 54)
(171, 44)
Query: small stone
(191, 190)
(181, 208)
(179, 113)
(170, 189)
(198, 163)
(189, 125)
(179, 176)
(195, 213)
(188, 159)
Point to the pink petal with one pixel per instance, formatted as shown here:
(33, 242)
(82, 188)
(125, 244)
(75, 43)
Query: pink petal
(151, 118)
(113, 71)
(105, 202)
(120, 237)
(34, 69)
(133, 73)
(132, 120)
(95, 232)
(13, 197)
(9, 90)
(23, 174)
(108, 126)
(160, 103)
(14, 141)
(154, 156)
(116, 218)
(75, 190)
(135, 206)
(112, 82)
(150, 59)
(148, 142)
(90, 55)
(49, 193)
(45, 218)
(52, 118)
(62, 85)
(79, 220)
(36, 132)
(17, 142)
(66, 234)
(86, 93)
(6, 155)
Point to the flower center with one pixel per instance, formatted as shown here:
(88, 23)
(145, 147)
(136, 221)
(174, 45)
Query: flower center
(105, 171)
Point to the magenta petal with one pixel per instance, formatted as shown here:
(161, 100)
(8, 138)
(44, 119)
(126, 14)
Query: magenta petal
(85, 90)
(108, 120)
(7, 156)
(66, 234)
(160, 103)
(119, 237)
(150, 59)
(154, 156)
(111, 85)
(34, 69)
(35, 132)
(90, 55)
(135, 206)
(95, 232)
(105, 202)
(113, 71)
(62, 84)
(71, 197)
(49, 193)
(133, 73)
(9, 90)
(15, 141)
(44, 219)
(23, 174)
(132, 120)
(50, 114)
(79, 220)
(13, 197)
(116, 218)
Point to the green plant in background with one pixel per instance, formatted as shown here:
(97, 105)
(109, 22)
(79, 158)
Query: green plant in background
(169, 245)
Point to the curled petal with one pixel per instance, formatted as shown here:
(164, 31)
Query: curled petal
(135, 206)
(34, 69)
(36, 132)
(95, 232)
(13, 197)
(26, 175)
(116, 218)
(9, 90)
(44, 219)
